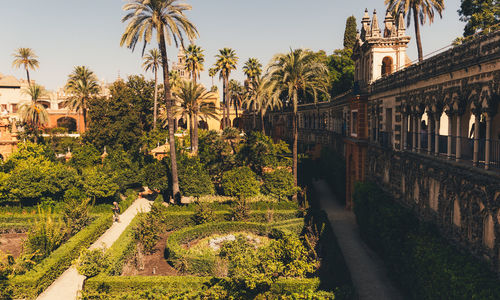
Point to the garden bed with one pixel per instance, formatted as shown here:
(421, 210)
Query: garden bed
(12, 243)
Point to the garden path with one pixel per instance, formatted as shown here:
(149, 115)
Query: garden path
(68, 285)
(368, 272)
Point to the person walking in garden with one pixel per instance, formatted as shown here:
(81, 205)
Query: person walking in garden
(116, 212)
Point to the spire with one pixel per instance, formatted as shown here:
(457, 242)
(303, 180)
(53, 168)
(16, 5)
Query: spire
(389, 24)
(365, 25)
(375, 28)
(401, 25)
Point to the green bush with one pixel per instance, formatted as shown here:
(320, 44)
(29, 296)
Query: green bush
(203, 214)
(92, 262)
(240, 211)
(419, 259)
(35, 281)
(194, 179)
(45, 235)
(240, 182)
(98, 184)
(85, 156)
(155, 176)
(76, 211)
(149, 228)
(122, 249)
(279, 184)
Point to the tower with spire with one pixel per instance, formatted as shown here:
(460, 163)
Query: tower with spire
(180, 65)
(379, 53)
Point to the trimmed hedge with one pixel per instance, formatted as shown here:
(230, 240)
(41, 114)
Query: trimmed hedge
(122, 249)
(200, 265)
(419, 259)
(35, 281)
(119, 285)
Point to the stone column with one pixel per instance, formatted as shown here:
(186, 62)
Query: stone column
(450, 132)
(429, 133)
(477, 119)
(404, 129)
(436, 136)
(419, 136)
(415, 126)
(488, 143)
(458, 150)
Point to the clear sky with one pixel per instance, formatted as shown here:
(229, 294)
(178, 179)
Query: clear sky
(66, 33)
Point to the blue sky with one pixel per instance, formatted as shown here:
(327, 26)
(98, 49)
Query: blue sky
(66, 33)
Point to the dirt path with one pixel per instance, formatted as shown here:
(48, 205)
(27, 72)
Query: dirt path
(68, 285)
(368, 273)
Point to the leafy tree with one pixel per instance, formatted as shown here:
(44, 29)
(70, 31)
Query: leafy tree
(142, 93)
(259, 151)
(252, 68)
(294, 73)
(240, 182)
(279, 184)
(99, 185)
(215, 154)
(350, 33)
(119, 165)
(479, 15)
(340, 71)
(82, 85)
(85, 156)
(152, 61)
(203, 213)
(194, 179)
(168, 19)
(28, 150)
(420, 11)
(226, 62)
(26, 58)
(33, 113)
(114, 121)
(155, 176)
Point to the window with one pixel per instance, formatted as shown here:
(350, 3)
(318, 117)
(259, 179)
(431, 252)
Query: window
(14, 108)
(386, 66)
(354, 123)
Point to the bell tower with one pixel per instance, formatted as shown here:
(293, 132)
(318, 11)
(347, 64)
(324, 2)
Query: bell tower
(379, 53)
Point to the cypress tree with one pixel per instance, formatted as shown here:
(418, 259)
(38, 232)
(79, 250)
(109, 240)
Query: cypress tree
(350, 33)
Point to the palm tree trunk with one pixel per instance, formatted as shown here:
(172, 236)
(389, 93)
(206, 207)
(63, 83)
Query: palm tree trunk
(84, 112)
(226, 95)
(254, 116)
(28, 77)
(155, 108)
(224, 106)
(417, 35)
(262, 127)
(170, 118)
(295, 140)
(195, 132)
(191, 131)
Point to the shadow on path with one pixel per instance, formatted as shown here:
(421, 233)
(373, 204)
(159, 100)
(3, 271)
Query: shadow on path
(368, 272)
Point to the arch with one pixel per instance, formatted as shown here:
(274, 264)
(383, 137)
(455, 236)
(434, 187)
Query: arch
(387, 66)
(45, 104)
(489, 232)
(457, 215)
(202, 124)
(237, 122)
(68, 123)
(182, 123)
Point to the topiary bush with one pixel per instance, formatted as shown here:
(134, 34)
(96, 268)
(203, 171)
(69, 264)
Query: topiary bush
(240, 182)
(203, 214)
(92, 262)
(279, 183)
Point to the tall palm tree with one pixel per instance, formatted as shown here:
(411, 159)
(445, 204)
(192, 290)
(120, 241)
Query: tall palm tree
(152, 61)
(226, 62)
(191, 102)
(294, 73)
(259, 96)
(252, 68)
(212, 72)
(82, 85)
(175, 80)
(420, 10)
(34, 113)
(26, 58)
(194, 61)
(168, 19)
(236, 94)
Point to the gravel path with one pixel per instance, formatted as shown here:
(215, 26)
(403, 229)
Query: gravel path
(368, 273)
(68, 285)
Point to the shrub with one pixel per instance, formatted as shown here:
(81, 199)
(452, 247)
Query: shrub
(76, 211)
(85, 156)
(420, 260)
(154, 175)
(46, 235)
(240, 182)
(26, 151)
(240, 211)
(279, 184)
(99, 185)
(92, 262)
(149, 227)
(194, 180)
(203, 214)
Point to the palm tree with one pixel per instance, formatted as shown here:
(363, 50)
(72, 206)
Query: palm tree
(192, 101)
(168, 19)
(236, 94)
(82, 85)
(226, 62)
(259, 97)
(175, 80)
(152, 61)
(26, 58)
(294, 73)
(420, 10)
(194, 61)
(34, 113)
(212, 72)
(252, 68)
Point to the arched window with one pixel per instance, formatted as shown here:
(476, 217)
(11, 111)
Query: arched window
(386, 66)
